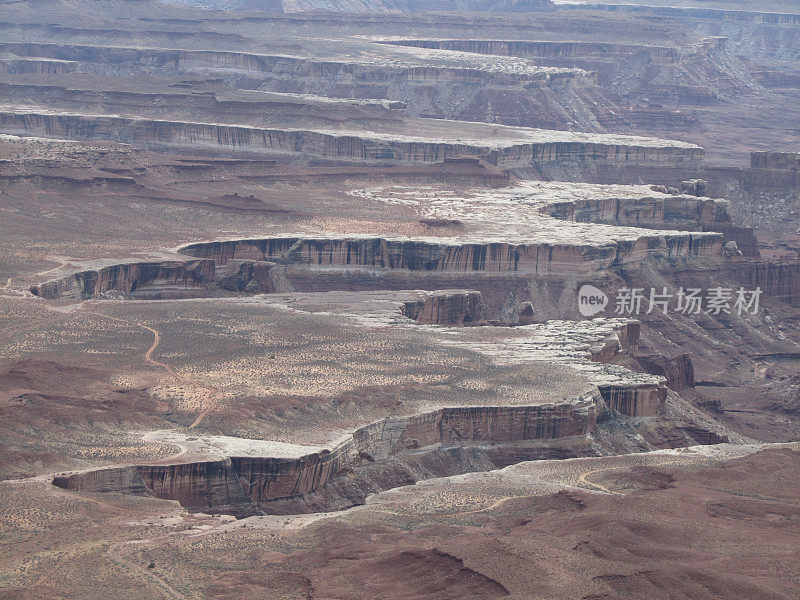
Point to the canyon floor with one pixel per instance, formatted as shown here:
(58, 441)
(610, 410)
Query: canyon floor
(324, 302)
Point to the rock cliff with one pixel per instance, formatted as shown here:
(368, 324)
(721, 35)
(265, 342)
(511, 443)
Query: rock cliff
(239, 484)
(444, 254)
(159, 278)
(447, 308)
(521, 148)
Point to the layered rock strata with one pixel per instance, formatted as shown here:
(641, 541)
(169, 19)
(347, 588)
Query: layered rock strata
(127, 278)
(247, 481)
(238, 482)
(518, 147)
(447, 308)
(454, 255)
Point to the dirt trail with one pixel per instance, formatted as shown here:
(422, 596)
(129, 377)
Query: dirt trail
(148, 357)
(584, 479)
(166, 588)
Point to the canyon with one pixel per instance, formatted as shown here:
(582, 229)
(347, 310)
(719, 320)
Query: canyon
(399, 300)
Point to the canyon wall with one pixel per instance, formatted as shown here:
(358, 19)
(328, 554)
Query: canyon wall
(634, 400)
(681, 213)
(777, 279)
(239, 482)
(785, 161)
(413, 255)
(447, 308)
(357, 146)
(126, 278)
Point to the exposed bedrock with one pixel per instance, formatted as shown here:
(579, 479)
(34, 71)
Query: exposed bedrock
(39, 66)
(546, 48)
(446, 255)
(677, 369)
(763, 195)
(126, 480)
(634, 400)
(694, 12)
(784, 161)
(676, 75)
(253, 276)
(295, 71)
(175, 106)
(447, 308)
(522, 148)
(509, 90)
(778, 279)
(683, 213)
(236, 483)
(160, 278)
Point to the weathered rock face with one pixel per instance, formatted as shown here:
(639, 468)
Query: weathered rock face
(177, 106)
(266, 479)
(126, 480)
(677, 213)
(519, 92)
(127, 278)
(239, 483)
(413, 255)
(785, 161)
(39, 66)
(678, 369)
(248, 276)
(196, 485)
(359, 146)
(778, 279)
(447, 308)
(665, 74)
(634, 401)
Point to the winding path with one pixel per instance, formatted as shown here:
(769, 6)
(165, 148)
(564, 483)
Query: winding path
(148, 357)
(584, 479)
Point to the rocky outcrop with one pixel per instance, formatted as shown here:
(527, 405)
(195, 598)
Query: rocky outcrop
(447, 308)
(522, 147)
(785, 161)
(196, 485)
(161, 279)
(252, 276)
(125, 480)
(450, 255)
(241, 483)
(39, 66)
(677, 369)
(677, 75)
(680, 212)
(634, 400)
(777, 279)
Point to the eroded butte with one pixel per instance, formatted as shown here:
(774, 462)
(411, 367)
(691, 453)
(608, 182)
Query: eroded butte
(294, 302)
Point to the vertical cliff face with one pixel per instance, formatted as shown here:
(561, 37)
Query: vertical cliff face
(678, 370)
(523, 148)
(634, 400)
(240, 483)
(265, 479)
(196, 485)
(784, 161)
(681, 213)
(777, 279)
(127, 278)
(447, 308)
(40, 66)
(252, 276)
(414, 255)
(125, 480)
